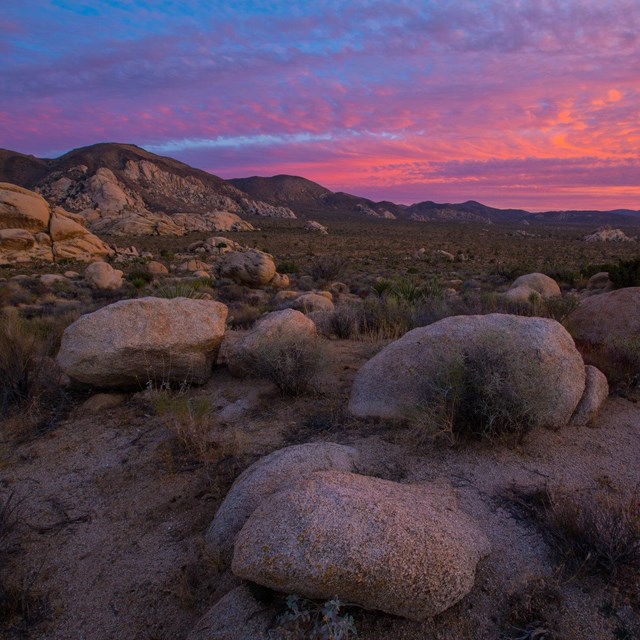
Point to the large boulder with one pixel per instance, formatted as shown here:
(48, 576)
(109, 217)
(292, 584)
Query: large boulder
(533, 283)
(289, 324)
(535, 360)
(71, 240)
(264, 478)
(132, 343)
(402, 549)
(611, 318)
(253, 268)
(101, 275)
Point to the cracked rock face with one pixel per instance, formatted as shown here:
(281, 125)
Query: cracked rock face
(31, 230)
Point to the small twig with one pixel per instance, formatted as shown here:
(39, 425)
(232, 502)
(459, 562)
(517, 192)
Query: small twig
(61, 524)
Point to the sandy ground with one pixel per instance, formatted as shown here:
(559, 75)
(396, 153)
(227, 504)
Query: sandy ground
(114, 514)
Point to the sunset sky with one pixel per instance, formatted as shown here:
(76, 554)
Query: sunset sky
(532, 104)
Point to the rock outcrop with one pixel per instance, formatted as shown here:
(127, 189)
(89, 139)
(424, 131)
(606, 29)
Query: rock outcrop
(125, 178)
(312, 302)
(266, 477)
(147, 223)
(30, 230)
(402, 549)
(599, 283)
(316, 227)
(536, 358)
(132, 343)
(608, 235)
(236, 616)
(595, 393)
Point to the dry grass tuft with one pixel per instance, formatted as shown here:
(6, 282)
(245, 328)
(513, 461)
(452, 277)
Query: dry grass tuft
(592, 532)
(31, 398)
(199, 442)
(21, 604)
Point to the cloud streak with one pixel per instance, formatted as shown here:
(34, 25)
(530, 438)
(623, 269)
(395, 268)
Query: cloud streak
(525, 103)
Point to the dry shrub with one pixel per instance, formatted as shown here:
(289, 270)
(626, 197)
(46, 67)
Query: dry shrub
(327, 268)
(618, 359)
(31, 398)
(534, 610)
(596, 531)
(243, 316)
(376, 318)
(591, 531)
(199, 440)
(484, 393)
(293, 363)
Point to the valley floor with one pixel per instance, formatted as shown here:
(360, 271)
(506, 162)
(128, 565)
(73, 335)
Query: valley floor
(114, 511)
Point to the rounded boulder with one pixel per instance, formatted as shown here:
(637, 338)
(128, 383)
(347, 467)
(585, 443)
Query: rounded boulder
(402, 549)
(535, 360)
(132, 343)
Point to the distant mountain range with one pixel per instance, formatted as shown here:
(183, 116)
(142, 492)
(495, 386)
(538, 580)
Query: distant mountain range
(124, 176)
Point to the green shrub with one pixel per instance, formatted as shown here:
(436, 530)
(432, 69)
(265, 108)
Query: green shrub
(626, 273)
(139, 277)
(382, 286)
(306, 620)
(407, 290)
(182, 290)
(288, 267)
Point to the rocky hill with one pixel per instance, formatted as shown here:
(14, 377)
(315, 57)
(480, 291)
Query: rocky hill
(307, 197)
(124, 177)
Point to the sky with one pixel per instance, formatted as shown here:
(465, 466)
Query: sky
(515, 103)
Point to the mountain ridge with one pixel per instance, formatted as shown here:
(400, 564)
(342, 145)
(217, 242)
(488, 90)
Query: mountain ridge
(88, 177)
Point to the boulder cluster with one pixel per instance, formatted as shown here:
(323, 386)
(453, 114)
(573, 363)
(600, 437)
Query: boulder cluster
(303, 520)
(31, 230)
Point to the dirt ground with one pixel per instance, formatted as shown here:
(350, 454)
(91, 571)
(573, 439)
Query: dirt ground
(114, 512)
